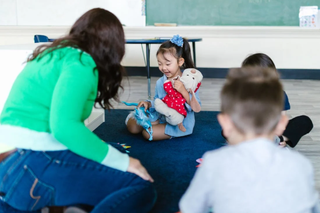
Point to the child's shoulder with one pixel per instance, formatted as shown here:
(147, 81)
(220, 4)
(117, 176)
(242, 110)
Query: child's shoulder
(296, 159)
(231, 153)
(218, 155)
(161, 80)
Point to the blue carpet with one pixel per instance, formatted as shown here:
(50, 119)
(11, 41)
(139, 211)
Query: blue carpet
(171, 163)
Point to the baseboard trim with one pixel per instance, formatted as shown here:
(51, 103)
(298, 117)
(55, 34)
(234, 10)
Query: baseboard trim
(311, 74)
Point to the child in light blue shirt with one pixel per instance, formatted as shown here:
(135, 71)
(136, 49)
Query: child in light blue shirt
(173, 57)
(252, 174)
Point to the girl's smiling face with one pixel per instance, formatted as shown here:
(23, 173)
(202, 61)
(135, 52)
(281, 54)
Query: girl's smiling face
(169, 65)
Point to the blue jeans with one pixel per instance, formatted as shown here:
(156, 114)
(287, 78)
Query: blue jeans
(31, 180)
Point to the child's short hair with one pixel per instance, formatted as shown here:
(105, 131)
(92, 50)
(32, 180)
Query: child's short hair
(253, 98)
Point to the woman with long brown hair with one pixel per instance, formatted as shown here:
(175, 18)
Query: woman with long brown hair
(58, 161)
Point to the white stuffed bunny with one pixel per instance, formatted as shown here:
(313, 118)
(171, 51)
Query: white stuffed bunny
(172, 106)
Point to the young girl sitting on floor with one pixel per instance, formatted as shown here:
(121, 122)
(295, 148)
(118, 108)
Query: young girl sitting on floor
(173, 57)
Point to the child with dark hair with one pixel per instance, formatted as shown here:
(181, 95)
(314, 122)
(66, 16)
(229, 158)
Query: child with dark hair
(297, 126)
(173, 57)
(252, 174)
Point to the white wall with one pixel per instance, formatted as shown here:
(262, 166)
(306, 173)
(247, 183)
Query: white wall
(66, 12)
(289, 47)
(222, 47)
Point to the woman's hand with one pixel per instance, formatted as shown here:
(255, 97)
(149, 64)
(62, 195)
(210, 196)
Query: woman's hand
(135, 167)
(145, 104)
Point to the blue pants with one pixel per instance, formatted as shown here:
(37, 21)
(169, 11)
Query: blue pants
(31, 180)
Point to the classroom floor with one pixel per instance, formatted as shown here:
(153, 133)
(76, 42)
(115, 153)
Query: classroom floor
(303, 96)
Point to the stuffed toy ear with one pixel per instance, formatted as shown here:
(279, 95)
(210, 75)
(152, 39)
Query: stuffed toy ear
(198, 85)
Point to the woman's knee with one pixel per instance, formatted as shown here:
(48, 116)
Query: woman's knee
(151, 193)
(145, 196)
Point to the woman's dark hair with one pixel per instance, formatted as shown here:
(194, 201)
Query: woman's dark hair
(178, 52)
(259, 59)
(99, 33)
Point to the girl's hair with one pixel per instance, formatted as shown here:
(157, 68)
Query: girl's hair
(178, 52)
(99, 33)
(259, 59)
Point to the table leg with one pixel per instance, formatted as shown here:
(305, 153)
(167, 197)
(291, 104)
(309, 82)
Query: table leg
(194, 53)
(148, 70)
